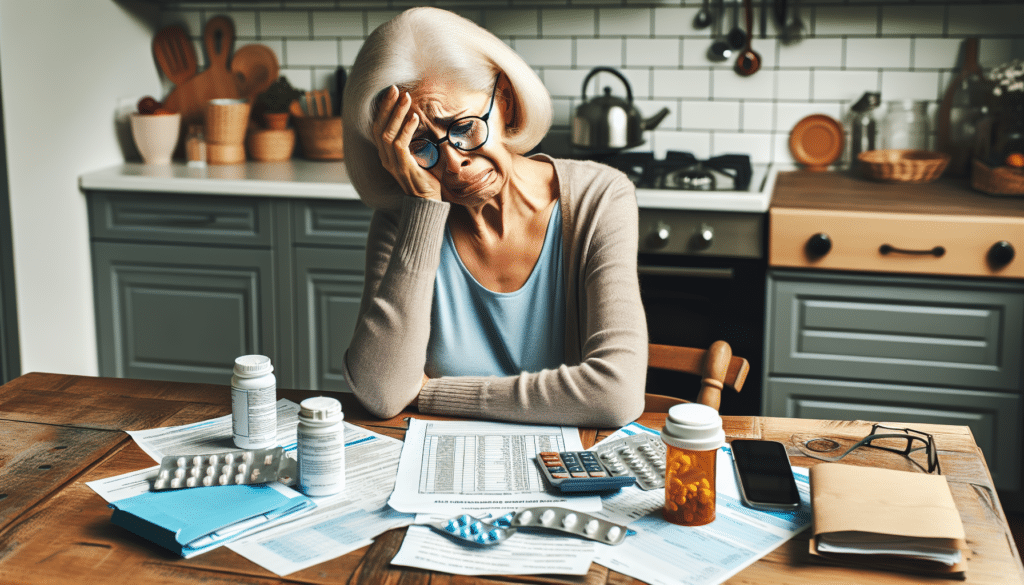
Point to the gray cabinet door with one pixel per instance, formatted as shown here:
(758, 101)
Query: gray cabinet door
(181, 313)
(924, 331)
(994, 417)
(329, 285)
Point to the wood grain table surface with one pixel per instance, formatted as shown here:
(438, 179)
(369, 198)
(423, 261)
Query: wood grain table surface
(58, 432)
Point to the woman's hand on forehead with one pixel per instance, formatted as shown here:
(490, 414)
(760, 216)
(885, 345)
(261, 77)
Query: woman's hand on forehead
(393, 129)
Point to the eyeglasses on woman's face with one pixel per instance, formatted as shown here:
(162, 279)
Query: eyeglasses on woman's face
(466, 134)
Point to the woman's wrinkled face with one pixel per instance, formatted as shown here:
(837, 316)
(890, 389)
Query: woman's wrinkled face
(467, 178)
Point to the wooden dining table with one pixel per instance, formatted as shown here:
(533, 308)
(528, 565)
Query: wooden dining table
(58, 432)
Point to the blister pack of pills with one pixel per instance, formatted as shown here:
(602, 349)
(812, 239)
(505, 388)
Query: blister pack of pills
(640, 455)
(231, 468)
(473, 530)
(580, 471)
(570, 522)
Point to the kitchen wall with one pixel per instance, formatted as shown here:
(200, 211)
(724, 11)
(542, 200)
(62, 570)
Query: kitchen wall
(904, 49)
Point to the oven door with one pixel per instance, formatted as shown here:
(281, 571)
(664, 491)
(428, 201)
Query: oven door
(694, 301)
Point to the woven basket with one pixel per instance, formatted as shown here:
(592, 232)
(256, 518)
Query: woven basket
(271, 145)
(903, 166)
(226, 121)
(320, 137)
(997, 181)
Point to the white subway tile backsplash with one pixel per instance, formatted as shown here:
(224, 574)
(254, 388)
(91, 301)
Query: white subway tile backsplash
(843, 85)
(1005, 19)
(913, 20)
(906, 49)
(910, 85)
(846, 20)
(936, 53)
(716, 115)
(284, 24)
(544, 52)
(302, 53)
(562, 21)
(726, 84)
(758, 117)
(812, 53)
(653, 52)
(512, 23)
(869, 53)
(329, 23)
(793, 85)
(686, 83)
(596, 52)
(624, 21)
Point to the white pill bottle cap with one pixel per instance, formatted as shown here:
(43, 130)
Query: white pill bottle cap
(252, 366)
(693, 426)
(320, 409)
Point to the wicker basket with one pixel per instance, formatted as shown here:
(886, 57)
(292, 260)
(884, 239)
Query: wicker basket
(226, 121)
(997, 181)
(903, 166)
(320, 137)
(271, 145)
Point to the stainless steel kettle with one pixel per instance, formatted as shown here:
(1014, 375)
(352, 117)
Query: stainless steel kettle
(609, 122)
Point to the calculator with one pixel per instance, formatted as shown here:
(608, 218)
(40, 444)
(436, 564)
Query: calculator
(580, 471)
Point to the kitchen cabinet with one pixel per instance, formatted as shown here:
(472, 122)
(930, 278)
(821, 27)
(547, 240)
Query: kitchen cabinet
(866, 321)
(184, 284)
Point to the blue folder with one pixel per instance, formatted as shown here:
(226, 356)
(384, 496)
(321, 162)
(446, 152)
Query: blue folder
(195, 520)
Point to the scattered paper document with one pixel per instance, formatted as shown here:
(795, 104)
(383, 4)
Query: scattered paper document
(662, 553)
(450, 467)
(524, 553)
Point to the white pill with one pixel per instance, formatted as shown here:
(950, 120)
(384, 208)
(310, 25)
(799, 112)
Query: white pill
(247, 458)
(197, 460)
(229, 458)
(164, 474)
(525, 516)
(195, 471)
(182, 462)
(176, 482)
(240, 479)
(191, 482)
(268, 460)
(179, 472)
(207, 481)
(547, 517)
(223, 480)
(614, 532)
(242, 468)
(569, 521)
(159, 484)
(591, 527)
(211, 470)
(227, 469)
(213, 460)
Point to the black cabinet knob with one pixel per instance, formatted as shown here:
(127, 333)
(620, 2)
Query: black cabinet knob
(1000, 254)
(818, 245)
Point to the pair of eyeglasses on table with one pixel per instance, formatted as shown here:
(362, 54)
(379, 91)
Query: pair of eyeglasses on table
(58, 432)
(917, 446)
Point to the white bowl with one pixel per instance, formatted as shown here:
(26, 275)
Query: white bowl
(156, 136)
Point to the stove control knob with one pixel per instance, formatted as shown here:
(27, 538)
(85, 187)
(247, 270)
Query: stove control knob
(1000, 254)
(705, 235)
(818, 245)
(662, 233)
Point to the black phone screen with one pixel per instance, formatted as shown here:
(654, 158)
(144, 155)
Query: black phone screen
(765, 475)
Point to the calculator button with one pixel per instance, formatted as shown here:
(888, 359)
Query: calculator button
(579, 474)
(575, 468)
(598, 474)
(593, 467)
(556, 469)
(560, 475)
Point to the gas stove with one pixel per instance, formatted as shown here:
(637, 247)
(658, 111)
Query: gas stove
(727, 182)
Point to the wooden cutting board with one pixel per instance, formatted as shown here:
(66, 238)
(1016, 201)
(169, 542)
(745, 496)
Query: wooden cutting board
(216, 81)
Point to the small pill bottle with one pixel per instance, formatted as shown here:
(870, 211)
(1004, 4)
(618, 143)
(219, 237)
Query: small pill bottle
(692, 434)
(321, 451)
(254, 402)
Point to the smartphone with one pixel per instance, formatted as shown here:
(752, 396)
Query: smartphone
(765, 476)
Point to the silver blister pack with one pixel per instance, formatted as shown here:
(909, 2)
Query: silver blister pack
(570, 522)
(641, 455)
(473, 530)
(239, 467)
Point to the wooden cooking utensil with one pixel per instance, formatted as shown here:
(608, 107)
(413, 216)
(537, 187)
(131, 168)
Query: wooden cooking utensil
(945, 142)
(318, 103)
(255, 68)
(749, 61)
(216, 81)
(175, 54)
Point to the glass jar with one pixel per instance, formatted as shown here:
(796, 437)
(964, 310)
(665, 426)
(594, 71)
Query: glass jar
(906, 125)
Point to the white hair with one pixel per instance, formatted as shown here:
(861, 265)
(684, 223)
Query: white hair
(423, 43)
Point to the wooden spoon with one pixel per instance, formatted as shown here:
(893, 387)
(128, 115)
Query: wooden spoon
(749, 61)
(175, 54)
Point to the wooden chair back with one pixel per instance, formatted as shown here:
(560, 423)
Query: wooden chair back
(716, 365)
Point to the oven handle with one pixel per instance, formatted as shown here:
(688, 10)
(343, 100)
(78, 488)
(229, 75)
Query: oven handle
(687, 271)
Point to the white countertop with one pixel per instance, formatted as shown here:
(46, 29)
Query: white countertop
(329, 180)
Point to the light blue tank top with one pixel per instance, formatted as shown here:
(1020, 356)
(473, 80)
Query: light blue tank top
(478, 332)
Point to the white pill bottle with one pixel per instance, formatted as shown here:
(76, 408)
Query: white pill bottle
(321, 449)
(254, 402)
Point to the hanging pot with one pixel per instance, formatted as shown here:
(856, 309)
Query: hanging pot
(609, 122)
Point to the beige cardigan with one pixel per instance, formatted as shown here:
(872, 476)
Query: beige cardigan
(600, 384)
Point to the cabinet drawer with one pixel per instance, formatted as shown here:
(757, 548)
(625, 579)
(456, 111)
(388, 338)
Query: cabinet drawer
(181, 219)
(994, 418)
(332, 223)
(942, 332)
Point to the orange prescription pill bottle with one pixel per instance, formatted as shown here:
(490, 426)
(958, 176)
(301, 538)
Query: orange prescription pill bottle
(692, 434)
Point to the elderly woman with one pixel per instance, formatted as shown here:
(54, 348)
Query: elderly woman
(498, 286)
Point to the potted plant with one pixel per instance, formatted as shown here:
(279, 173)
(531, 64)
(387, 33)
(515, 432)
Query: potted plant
(275, 101)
